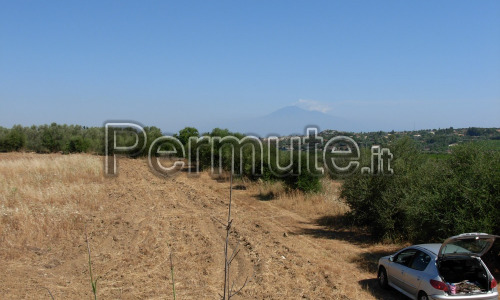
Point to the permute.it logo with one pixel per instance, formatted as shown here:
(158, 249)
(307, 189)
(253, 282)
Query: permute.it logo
(339, 155)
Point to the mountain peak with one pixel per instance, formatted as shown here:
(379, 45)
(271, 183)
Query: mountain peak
(294, 110)
(290, 120)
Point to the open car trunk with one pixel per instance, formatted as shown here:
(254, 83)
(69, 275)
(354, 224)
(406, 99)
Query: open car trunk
(467, 273)
(460, 265)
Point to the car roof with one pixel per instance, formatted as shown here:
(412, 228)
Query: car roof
(434, 248)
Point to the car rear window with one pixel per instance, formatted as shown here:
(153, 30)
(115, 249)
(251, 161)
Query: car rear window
(466, 246)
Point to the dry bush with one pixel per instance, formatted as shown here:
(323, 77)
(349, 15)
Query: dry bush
(325, 203)
(42, 198)
(270, 190)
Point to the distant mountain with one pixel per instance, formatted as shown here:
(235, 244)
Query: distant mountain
(289, 120)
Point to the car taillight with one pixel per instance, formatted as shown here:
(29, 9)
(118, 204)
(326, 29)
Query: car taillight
(439, 285)
(493, 283)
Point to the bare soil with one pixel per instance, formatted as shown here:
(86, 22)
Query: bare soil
(137, 219)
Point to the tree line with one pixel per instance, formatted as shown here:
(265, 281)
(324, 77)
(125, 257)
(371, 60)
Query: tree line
(57, 138)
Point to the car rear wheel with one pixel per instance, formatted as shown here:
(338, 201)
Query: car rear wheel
(422, 296)
(382, 278)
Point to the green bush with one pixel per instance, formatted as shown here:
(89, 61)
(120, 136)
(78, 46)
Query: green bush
(461, 195)
(302, 178)
(13, 139)
(77, 144)
(429, 199)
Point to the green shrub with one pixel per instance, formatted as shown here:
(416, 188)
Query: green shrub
(302, 178)
(77, 144)
(12, 139)
(429, 199)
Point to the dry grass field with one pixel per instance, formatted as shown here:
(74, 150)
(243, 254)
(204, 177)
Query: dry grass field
(291, 245)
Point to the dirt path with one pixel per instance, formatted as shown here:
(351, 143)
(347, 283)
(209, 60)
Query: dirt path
(143, 218)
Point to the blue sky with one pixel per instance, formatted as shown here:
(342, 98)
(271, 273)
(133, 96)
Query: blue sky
(389, 64)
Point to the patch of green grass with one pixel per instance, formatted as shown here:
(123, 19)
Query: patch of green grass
(489, 144)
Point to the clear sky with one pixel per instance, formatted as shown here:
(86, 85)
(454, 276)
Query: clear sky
(396, 64)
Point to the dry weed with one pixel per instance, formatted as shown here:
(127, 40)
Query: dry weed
(44, 199)
(325, 203)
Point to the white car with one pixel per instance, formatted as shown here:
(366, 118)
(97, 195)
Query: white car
(452, 270)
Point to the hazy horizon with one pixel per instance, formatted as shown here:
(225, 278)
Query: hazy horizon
(298, 126)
